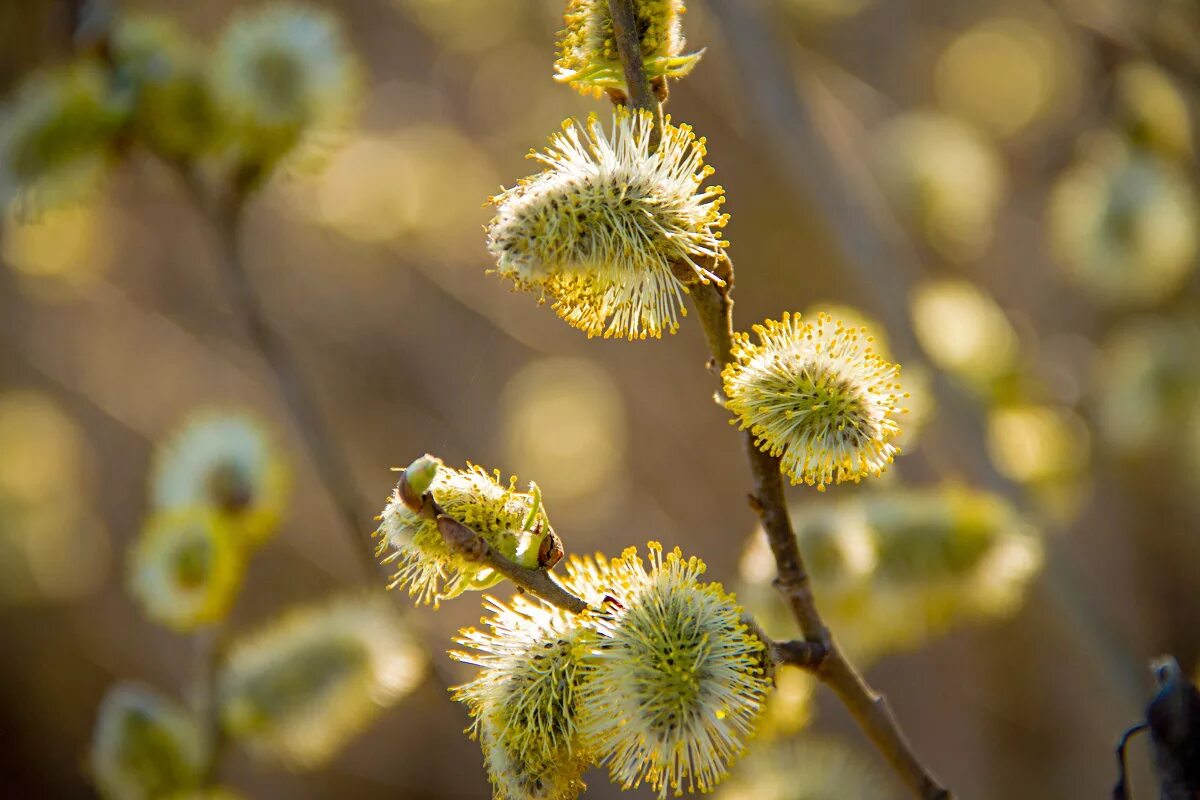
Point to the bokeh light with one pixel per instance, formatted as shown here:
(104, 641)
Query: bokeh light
(52, 545)
(1007, 73)
(944, 177)
(963, 330)
(60, 252)
(563, 424)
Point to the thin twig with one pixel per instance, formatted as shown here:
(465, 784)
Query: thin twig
(629, 45)
(226, 216)
(868, 707)
(1121, 789)
(715, 309)
(882, 259)
(208, 646)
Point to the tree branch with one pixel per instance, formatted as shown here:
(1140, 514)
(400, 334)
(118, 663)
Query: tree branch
(820, 652)
(715, 309)
(225, 217)
(640, 94)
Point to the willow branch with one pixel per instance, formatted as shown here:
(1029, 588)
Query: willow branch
(208, 646)
(226, 217)
(815, 160)
(640, 93)
(715, 309)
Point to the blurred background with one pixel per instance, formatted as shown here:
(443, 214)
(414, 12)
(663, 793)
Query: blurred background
(1005, 189)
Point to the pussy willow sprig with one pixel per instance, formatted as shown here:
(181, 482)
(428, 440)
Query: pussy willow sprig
(715, 310)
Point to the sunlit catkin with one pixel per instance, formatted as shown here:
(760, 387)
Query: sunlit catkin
(678, 681)
(55, 135)
(895, 568)
(186, 567)
(227, 462)
(817, 395)
(588, 58)
(144, 746)
(165, 72)
(525, 702)
(283, 75)
(302, 686)
(608, 227)
(513, 522)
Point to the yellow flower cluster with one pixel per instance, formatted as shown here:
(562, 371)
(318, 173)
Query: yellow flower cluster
(817, 395)
(513, 522)
(661, 680)
(606, 230)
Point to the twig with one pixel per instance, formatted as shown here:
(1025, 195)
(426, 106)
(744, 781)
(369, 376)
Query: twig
(226, 216)
(1121, 790)
(208, 646)
(629, 46)
(882, 259)
(820, 652)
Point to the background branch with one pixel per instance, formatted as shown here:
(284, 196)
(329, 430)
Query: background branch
(225, 216)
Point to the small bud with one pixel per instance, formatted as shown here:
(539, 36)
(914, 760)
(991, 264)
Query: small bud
(145, 746)
(416, 480)
(440, 558)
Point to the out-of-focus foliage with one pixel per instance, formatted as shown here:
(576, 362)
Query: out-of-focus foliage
(186, 567)
(895, 567)
(302, 686)
(1148, 384)
(1009, 73)
(60, 253)
(963, 330)
(54, 136)
(1123, 223)
(807, 768)
(944, 177)
(226, 462)
(564, 419)
(47, 504)
(145, 746)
